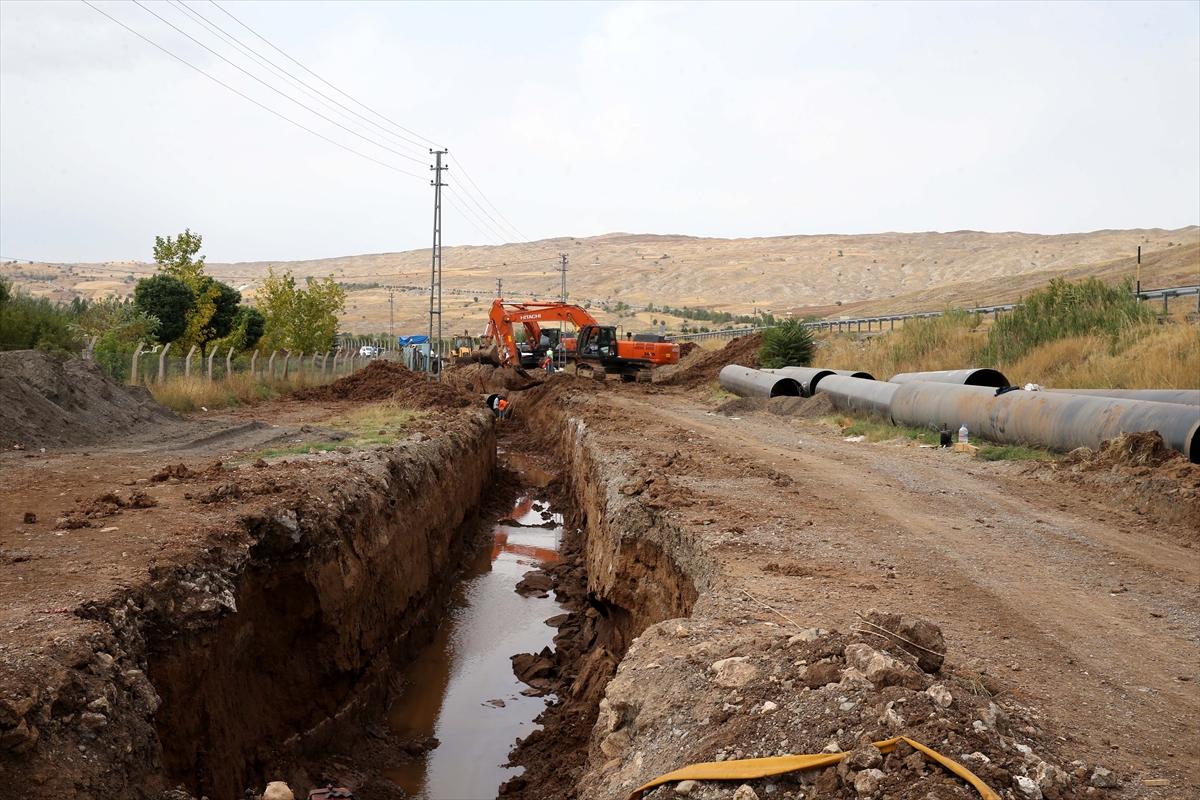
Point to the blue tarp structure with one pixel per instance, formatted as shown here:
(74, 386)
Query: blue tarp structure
(405, 341)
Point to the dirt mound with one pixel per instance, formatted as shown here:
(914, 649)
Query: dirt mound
(433, 394)
(687, 348)
(48, 403)
(813, 407)
(742, 405)
(1138, 449)
(489, 378)
(704, 366)
(379, 381)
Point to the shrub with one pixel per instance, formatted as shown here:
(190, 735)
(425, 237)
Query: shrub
(788, 344)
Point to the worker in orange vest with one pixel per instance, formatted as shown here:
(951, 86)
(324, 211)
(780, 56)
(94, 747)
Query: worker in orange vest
(502, 406)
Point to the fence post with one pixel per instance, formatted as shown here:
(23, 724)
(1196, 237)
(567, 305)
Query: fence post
(89, 352)
(229, 363)
(211, 354)
(287, 358)
(253, 358)
(336, 353)
(324, 362)
(271, 365)
(162, 363)
(187, 362)
(133, 370)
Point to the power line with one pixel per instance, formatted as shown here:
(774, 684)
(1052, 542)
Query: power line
(462, 169)
(327, 83)
(311, 91)
(274, 89)
(250, 99)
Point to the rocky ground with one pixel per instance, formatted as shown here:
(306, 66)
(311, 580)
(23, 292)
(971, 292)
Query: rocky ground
(766, 580)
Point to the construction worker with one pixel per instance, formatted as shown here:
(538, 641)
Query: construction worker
(548, 363)
(502, 407)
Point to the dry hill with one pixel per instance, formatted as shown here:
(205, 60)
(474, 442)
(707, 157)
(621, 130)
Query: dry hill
(870, 273)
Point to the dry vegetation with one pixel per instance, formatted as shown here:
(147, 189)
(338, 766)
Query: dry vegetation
(869, 274)
(190, 394)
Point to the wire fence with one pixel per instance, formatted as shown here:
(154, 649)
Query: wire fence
(148, 367)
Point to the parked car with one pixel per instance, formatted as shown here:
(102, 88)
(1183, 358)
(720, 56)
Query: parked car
(367, 351)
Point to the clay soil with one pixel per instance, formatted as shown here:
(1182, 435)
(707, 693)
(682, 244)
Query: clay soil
(1066, 591)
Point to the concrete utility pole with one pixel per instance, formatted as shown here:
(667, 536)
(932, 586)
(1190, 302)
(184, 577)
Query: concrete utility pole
(391, 314)
(563, 269)
(500, 288)
(435, 274)
(1139, 274)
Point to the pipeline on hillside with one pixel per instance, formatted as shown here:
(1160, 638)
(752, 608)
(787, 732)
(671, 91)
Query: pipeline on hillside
(1054, 420)
(962, 377)
(1186, 397)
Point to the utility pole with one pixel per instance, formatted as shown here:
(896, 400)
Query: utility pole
(391, 314)
(1139, 274)
(563, 269)
(435, 273)
(500, 288)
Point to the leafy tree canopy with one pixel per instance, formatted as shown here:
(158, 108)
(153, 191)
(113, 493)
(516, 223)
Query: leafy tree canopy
(302, 319)
(168, 299)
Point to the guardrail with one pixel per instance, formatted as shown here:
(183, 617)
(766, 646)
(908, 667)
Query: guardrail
(855, 325)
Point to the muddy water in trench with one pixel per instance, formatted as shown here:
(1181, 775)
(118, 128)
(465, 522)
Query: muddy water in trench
(452, 686)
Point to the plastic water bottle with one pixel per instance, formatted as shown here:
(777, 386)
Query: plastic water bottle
(962, 434)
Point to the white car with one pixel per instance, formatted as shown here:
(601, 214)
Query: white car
(367, 351)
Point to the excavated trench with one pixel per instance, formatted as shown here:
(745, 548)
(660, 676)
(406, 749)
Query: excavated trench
(335, 589)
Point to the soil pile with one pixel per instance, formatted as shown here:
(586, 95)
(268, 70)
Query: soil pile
(48, 403)
(1138, 449)
(379, 381)
(812, 407)
(1136, 471)
(489, 378)
(433, 394)
(771, 691)
(704, 366)
(687, 348)
(742, 405)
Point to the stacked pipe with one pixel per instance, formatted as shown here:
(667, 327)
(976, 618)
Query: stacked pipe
(1059, 421)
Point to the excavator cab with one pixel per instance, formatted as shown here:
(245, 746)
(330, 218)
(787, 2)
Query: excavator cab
(597, 342)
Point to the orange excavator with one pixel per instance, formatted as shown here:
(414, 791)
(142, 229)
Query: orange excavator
(594, 348)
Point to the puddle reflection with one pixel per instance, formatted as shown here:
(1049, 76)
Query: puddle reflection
(454, 680)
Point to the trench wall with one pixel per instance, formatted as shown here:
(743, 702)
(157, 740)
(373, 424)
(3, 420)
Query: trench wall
(642, 568)
(276, 642)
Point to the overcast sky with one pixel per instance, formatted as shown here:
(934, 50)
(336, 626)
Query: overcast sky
(575, 119)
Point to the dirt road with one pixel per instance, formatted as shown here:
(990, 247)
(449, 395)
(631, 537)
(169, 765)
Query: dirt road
(1083, 610)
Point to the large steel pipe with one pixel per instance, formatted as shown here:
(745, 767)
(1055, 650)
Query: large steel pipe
(849, 373)
(859, 396)
(1186, 397)
(746, 382)
(808, 377)
(1054, 420)
(962, 377)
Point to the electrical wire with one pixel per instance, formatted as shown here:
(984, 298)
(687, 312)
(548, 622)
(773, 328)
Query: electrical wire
(458, 163)
(274, 89)
(311, 91)
(252, 100)
(327, 83)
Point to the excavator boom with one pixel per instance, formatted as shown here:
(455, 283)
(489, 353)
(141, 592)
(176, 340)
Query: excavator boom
(601, 350)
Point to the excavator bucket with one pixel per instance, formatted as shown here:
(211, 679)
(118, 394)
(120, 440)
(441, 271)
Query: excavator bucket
(488, 354)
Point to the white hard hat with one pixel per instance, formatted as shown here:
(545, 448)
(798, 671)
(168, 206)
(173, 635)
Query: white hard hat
(278, 790)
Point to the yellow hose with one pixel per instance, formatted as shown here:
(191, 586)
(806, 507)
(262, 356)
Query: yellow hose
(749, 768)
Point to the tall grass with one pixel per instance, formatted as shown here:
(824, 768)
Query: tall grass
(945, 342)
(1064, 310)
(1072, 336)
(193, 393)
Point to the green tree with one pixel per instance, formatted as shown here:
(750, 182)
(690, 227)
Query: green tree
(168, 299)
(300, 319)
(788, 344)
(248, 326)
(176, 257)
(226, 301)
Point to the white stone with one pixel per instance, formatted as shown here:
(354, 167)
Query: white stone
(278, 790)
(806, 635)
(870, 662)
(1104, 778)
(867, 781)
(940, 695)
(734, 672)
(744, 792)
(769, 707)
(686, 787)
(1027, 787)
(1047, 775)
